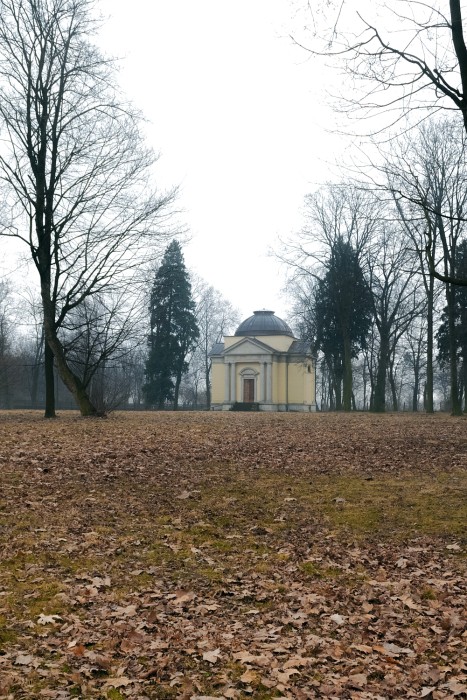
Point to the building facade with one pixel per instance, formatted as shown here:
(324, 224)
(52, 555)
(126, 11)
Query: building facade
(263, 364)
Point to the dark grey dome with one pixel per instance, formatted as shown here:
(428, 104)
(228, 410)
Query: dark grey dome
(264, 323)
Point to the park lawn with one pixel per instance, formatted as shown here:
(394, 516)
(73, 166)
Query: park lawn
(229, 555)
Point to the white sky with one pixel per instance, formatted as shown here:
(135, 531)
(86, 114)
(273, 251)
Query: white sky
(238, 114)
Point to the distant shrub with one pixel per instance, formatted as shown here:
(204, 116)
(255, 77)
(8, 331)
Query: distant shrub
(240, 406)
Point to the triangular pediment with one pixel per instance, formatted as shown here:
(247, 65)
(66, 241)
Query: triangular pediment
(249, 346)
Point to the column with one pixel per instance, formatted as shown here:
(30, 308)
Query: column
(233, 382)
(263, 383)
(269, 383)
(227, 382)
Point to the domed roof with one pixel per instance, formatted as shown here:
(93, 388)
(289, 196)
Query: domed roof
(264, 323)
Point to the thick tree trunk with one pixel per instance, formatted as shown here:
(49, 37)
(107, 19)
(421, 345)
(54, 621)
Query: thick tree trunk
(71, 381)
(392, 384)
(36, 369)
(178, 381)
(458, 41)
(49, 383)
(335, 385)
(336, 395)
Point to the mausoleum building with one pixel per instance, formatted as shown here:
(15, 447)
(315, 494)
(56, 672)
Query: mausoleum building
(263, 364)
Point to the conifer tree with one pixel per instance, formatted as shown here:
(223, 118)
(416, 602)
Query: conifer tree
(452, 337)
(174, 329)
(343, 315)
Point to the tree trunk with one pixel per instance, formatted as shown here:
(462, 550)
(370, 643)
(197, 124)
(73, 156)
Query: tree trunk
(36, 369)
(336, 396)
(429, 348)
(464, 375)
(416, 385)
(49, 382)
(458, 41)
(178, 381)
(379, 397)
(456, 408)
(208, 385)
(71, 381)
(392, 384)
(364, 385)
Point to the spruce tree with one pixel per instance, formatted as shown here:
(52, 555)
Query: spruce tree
(454, 350)
(174, 329)
(343, 316)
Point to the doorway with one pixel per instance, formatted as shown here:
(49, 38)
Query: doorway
(248, 390)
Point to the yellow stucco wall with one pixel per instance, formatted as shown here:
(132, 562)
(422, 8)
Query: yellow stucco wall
(217, 382)
(301, 382)
(230, 340)
(278, 342)
(297, 387)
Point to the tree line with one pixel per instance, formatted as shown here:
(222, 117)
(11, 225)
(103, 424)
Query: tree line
(78, 193)
(379, 269)
(152, 354)
(365, 294)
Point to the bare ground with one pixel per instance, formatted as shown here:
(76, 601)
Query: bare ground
(233, 555)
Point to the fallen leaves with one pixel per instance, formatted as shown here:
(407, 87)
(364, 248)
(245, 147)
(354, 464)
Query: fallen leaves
(48, 619)
(212, 656)
(215, 556)
(24, 659)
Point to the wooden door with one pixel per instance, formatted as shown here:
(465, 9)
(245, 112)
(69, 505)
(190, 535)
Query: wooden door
(248, 390)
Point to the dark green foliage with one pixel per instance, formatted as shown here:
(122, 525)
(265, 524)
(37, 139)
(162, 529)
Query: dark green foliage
(174, 329)
(240, 406)
(460, 321)
(342, 315)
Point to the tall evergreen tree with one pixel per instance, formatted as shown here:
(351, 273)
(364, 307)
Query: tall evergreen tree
(174, 329)
(343, 315)
(458, 327)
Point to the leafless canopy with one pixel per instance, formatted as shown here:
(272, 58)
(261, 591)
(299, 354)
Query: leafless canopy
(72, 156)
(405, 57)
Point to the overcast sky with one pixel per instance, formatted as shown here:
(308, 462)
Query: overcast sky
(239, 116)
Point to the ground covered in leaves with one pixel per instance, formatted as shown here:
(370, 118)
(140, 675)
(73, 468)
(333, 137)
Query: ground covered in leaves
(208, 555)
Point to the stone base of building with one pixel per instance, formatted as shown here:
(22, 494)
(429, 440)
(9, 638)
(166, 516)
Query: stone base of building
(271, 407)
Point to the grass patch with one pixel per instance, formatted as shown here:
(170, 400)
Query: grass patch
(404, 506)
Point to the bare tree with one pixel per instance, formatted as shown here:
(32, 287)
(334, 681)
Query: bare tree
(416, 358)
(427, 177)
(395, 300)
(406, 55)
(216, 317)
(73, 159)
(97, 337)
(409, 59)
